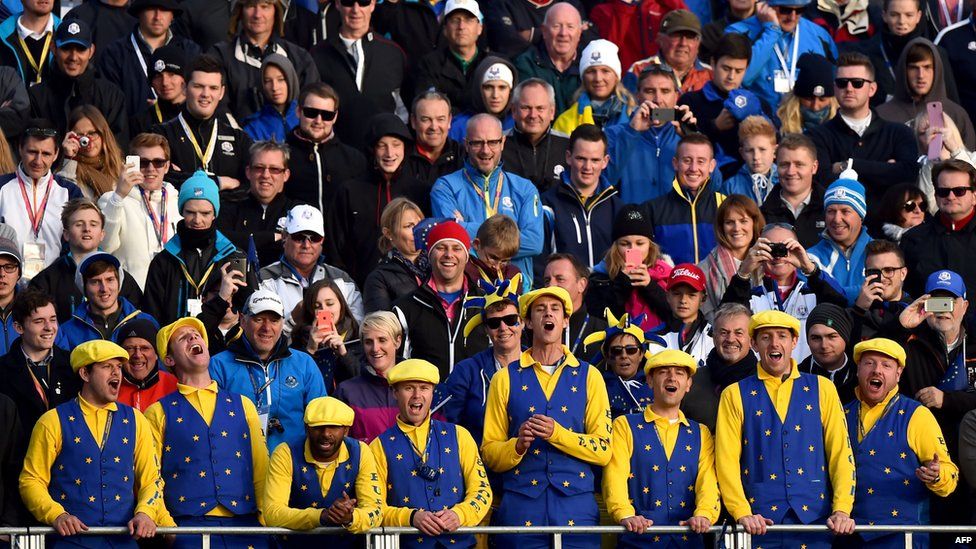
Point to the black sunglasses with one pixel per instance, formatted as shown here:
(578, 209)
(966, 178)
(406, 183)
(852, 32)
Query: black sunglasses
(158, 163)
(313, 113)
(350, 3)
(858, 83)
(618, 350)
(944, 192)
(786, 10)
(495, 322)
(302, 237)
(910, 206)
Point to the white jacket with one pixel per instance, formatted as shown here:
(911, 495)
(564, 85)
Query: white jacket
(13, 211)
(280, 279)
(129, 232)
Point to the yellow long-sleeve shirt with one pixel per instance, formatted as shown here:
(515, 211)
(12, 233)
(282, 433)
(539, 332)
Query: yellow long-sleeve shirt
(204, 401)
(593, 446)
(617, 472)
(924, 438)
(45, 446)
(368, 511)
(477, 491)
(728, 440)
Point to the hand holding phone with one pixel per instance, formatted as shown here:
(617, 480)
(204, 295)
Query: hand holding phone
(940, 305)
(662, 115)
(132, 163)
(239, 265)
(934, 109)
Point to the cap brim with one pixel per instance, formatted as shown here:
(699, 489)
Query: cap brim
(682, 28)
(260, 310)
(75, 41)
(478, 16)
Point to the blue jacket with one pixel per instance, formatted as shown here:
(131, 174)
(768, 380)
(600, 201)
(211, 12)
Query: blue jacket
(640, 162)
(764, 38)
(585, 232)
(741, 183)
(683, 227)
(519, 200)
(268, 123)
(292, 379)
(7, 332)
(81, 327)
(8, 31)
(462, 397)
(848, 272)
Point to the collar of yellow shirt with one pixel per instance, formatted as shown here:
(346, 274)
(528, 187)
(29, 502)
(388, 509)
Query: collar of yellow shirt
(884, 402)
(416, 433)
(188, 390)
(341, 458)
(88, 408)
(766, 376)
(526, 360)
(652, 417)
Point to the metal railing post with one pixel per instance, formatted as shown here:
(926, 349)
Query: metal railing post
(205, 541)
(557, 541)
(908, 540)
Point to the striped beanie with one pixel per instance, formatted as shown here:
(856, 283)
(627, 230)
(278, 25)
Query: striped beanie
(847, 192)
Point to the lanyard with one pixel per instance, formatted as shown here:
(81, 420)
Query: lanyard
(36, 216)
(887, 61)
(258, 391)
(861, 433)
(41, 390)
(159, 113)
(159, 226)
(426, 453)
(490, 209)
(204, 156)
(579, 336)
(38, 64)
(945, 12)
(142, 62)
(790, 68)
(197, 286)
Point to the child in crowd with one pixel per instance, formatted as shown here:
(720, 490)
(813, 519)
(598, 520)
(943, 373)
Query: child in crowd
(325, 329)
(688, 330)
(757, 145)
(494, 246)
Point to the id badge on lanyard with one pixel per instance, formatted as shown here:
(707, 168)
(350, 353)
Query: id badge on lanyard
(785, 76)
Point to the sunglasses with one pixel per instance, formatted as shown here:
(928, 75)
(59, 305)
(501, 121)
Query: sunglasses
(911, 206)
(302, 237)
(787, 10)
(313, 113)
(944, 192)
(618, 350)
(351, 3)
(495, 322)
(858, 83)
(158, 163)
(273, 170)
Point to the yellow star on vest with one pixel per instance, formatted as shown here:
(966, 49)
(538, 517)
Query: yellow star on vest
(454, 489)
(772, 476)
(688, 447)
(657, 539)
(233, 503)
(227, 471)
(78, 481)
(169, 448)
(773, 508)
(447, 450)
(179, 420)
(573, 389)
(582, 474)
(903, 455)
(806, 389)
(203, 504)
(237, 453)
(891, 433)
(630, 475)
(745, 472)
(905, 482)
(753, 393)
(535, 482)
(444, 433)
(871, 452)
(647, 447)
(304, 469)
(809, 407)
(805, 508)
(525, 387)
(566, 483)
(303, 488)
(118, 459)
(517, 472)
(640, 426)
(536, 452)
(565, 409)
(245, 436)
(796, 428)
(413, 473)
(88, 460)
(125, 421)
(531, 409)
(186, 459)
(657, 503)
(901, 412)
(682, 503)
(800, 471)
(231, 414)
(196, 438)
(572, 523)
(399, 457)
(71, 418)
(125, 478)
(870, 491)
(91, 499)
(77, 440)
(64, 497)
(811, 447)
(887, 470)
(655, 468)
(894, 512)
(348, 467)
(118, 497)
(223, 433)
(406, 499)
(759, 413)
(528, 523)
(203, 474)
(769, 432)
(125, 440)
(682, 468)
(647, 490)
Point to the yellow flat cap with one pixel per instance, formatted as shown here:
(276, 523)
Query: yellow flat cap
(525, 302)
(413, 369)
(671, 357)
(166, 332)
(773, 319)
(328, 411)
(881, 345)
(96, 350)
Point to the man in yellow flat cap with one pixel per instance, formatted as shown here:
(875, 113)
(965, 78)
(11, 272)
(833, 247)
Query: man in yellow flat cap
(91, 460)
(899, 451)
(547, 427)
(212, 453)
(327, 480)
(662, 470)
(781, 449)
(430, 474)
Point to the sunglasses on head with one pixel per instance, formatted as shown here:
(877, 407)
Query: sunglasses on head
(911, 206)
(302, 237)
(944, 192)
(787, 10)
(350, 3)
(858, 83)
(495, 322)
(631, 350)
(313, 113)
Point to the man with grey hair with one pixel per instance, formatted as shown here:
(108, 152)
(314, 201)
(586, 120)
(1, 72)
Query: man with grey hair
(730, 361)
(532, 150)
(482, 189)
(553, 58)
(258, 215)
(435, 154)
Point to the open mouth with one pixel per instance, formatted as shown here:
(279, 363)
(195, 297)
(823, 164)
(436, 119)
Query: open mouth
(776, 355)
(671, 388)
(416, 407)
(196, 349)
(875, 383)
(114, 383)
(548, 325)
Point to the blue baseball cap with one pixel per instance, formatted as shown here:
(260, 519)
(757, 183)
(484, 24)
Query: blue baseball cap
(74, 31)
(742, 103)
(946, 281)
(797, 3)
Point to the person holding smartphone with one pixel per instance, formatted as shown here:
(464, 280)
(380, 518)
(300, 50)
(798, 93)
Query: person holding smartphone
(326, 329)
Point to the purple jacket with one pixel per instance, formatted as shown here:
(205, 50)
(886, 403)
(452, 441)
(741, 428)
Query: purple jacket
(371, 397)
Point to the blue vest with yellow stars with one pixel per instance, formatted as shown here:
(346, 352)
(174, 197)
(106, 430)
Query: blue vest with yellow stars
(207, 466)
(663, 490)
(408, 488)
(629, 396)
(783, 463)
(95, 483)
(888, 492)
(544, 465)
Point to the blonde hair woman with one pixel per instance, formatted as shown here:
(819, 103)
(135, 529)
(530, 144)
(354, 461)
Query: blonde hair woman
(602, 99)
(403, 267)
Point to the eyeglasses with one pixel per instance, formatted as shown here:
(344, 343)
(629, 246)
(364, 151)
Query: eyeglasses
(90, 135)
(858, 83)
(158, 163)
(911, 206)
(350, 3)
(312, 113)
(495, 322)
(887, 272)
(41, 132)
(618, 350)
(302, 237)
(480, 144)
(944, 192)
(9, 268)
(788, 10)
(273, 170)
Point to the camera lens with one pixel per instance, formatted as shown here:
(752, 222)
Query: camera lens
(84, 141)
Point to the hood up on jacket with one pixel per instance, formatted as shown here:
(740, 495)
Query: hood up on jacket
(477, 101)
(285, 66)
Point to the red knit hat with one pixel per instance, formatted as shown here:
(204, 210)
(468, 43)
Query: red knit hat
(448, 230)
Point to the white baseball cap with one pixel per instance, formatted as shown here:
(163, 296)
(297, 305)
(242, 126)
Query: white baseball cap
(470, 6)
(304, 218)
(263, 301)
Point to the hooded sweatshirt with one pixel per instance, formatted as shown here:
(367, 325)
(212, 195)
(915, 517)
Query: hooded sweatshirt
(459, 125)
(903, 107)
(268, 122)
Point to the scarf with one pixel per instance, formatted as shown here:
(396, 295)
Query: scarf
(194, 239)
(92, 173)
(812, 118)
(853, 15)
(720, 266)
(419, 268)
(724, 374)
(607, 111)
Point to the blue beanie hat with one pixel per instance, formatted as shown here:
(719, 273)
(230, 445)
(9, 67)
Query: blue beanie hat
(849, 193)
(200, 186)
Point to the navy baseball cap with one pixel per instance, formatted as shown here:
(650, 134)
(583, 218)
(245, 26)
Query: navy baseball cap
(946, 281)
(74, 31)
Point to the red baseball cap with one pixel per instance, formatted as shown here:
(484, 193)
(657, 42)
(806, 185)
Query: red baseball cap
(687, 273)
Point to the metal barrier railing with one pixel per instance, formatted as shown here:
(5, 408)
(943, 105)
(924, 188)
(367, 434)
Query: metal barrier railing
(389, 537)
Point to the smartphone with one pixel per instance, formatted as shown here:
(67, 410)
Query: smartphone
(662, 115)
(324, 321)
(940, 305)
(239, 265)
(132, 163)
(778, 249)
(934, 109)
(633, 258)
(872, 275)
